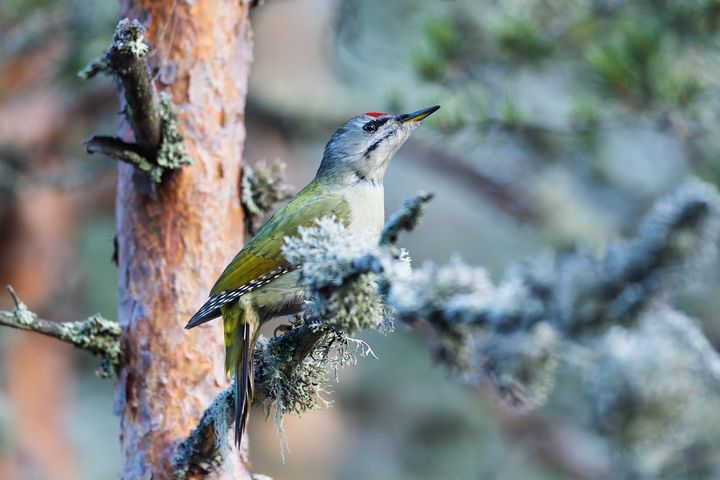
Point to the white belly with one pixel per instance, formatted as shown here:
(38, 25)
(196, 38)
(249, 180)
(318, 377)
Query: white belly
(367, 208)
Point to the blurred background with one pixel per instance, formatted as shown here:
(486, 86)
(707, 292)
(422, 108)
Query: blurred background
(562, 121)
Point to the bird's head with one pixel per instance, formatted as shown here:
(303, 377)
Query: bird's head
(363, 147)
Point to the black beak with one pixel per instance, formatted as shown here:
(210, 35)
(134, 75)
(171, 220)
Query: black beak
(417, 116)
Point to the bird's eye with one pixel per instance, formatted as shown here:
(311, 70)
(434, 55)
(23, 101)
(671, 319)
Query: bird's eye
(370, 127)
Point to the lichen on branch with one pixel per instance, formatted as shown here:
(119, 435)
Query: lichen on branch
(262, 188)
(158, 146)
(206, 446)
(511, 335)
(291, 369)
(95, 334)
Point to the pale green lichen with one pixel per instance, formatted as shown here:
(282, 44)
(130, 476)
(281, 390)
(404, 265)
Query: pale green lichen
(130, 37)
(99, 336)
(520, 365)
(196, 454)
(351, 307)
(155, 172)
(172, 154)
(22, 315)
(95, 67)
(653, 392)
(292, 388)
(327, 253)
(263, 188)
(295, 376)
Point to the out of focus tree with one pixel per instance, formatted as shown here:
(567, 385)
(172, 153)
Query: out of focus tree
(44, 195)
(611, 99)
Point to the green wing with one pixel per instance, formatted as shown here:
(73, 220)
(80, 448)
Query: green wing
(263, 254)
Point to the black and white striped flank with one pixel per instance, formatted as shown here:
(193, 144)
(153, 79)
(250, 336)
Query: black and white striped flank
(211, 308)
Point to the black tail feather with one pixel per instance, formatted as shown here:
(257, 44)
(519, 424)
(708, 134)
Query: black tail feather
(202, 316)
(243, 385)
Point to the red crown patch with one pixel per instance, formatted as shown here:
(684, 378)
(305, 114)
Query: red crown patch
(374, 114)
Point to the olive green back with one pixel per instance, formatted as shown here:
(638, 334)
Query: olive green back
(263, 253)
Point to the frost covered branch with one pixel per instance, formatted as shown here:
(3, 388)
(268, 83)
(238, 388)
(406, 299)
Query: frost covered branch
(513, 335)
(95, 334)
(158, 143)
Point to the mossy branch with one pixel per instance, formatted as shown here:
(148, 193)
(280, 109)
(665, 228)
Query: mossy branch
(205, 447)
(158, 144)
(96, 334)
(511, 335)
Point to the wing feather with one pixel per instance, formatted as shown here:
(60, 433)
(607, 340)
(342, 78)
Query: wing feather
(263, 253)
(261, 260)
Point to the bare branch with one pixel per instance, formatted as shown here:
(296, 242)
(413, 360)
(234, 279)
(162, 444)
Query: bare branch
(123, 151)
(95, 334)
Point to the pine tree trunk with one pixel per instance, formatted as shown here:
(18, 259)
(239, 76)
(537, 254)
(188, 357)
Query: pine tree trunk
(174, 240)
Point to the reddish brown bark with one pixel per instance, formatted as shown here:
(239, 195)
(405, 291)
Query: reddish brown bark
(174, 241)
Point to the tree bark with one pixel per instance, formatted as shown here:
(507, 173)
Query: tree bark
(174, 238)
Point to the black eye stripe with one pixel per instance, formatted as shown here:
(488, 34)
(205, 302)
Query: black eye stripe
(373, 125)
(376, 144)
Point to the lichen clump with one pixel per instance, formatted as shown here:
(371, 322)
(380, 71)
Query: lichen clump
(130, 37)
(336, 295)
(23, 315)
(263, 187)
(147, 112)
(172, 153)
(99, 336)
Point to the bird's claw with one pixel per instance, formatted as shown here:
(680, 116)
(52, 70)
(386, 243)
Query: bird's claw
(282, 329)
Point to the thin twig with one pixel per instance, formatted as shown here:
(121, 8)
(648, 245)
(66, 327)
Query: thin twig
(123, 151)
(405, 219)
(95, 334)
